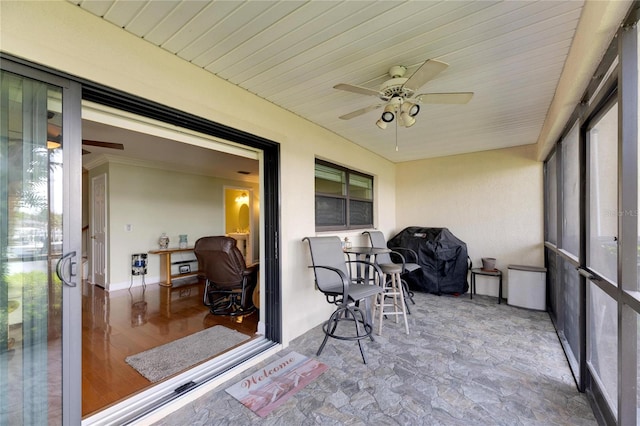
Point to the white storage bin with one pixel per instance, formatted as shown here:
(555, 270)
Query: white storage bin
(527, 287)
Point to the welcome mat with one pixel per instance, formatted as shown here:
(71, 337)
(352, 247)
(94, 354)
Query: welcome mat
(271, 386)
(163, 361)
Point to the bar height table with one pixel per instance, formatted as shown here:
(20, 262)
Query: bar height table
(367, 254)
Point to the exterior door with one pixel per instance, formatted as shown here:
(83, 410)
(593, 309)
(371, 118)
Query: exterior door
(99, 230)
(602, 255)
(40, 231)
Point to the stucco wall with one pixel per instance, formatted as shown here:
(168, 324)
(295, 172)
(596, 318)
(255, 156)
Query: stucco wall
(60, 35)
(491, 200)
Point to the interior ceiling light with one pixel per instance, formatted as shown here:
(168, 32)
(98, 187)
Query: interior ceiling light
(53, 144)
(242, 198)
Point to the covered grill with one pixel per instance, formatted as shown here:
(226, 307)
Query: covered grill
(442, 258)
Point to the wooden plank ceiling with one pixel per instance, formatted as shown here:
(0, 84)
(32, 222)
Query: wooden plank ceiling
(510, 54)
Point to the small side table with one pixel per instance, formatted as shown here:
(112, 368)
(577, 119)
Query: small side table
(480, 271)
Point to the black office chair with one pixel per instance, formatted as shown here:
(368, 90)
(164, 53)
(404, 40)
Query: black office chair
(400, 255)
(334, 280)
(229, 282)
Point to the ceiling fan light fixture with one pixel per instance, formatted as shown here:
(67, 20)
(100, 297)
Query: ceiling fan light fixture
(398, 94)
(410, 108)
(406, 119)
(389, 112)
(388, 115)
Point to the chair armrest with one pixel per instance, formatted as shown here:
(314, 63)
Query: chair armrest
(394, 255)
(250, 269)
(412, 254)
(341, 275)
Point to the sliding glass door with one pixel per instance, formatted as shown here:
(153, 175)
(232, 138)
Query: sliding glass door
(39, 332)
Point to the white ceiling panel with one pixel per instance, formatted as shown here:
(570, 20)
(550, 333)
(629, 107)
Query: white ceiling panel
(149, 16)
(169, 26)
(291, 53)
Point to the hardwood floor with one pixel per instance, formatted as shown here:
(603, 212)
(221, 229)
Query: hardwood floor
(122, 323)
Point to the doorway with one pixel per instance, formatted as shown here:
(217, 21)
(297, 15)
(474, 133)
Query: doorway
(239, 222)
(61, 376)
(168, 185)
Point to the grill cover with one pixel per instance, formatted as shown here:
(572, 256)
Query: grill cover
(442, 258)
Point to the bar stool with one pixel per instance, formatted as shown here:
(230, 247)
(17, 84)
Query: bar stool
(392, 286)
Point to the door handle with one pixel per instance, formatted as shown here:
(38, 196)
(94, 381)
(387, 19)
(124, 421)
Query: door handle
(66, 261)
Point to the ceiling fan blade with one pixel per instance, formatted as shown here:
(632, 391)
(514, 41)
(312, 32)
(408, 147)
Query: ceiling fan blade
(357, 89)
(111, 145)
(359, 112)
(444, 98)
(426, 72)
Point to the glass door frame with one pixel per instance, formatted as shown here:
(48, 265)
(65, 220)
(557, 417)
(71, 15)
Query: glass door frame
(628, 256)
(617, 82)
(80, 89)
(607, 101)
(72, 214)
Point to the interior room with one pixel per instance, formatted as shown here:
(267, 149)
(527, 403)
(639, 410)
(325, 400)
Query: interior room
(511, 124)
(147, 187)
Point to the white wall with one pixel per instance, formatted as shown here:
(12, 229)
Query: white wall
(154, 201)
(491, 200)
(60, 35)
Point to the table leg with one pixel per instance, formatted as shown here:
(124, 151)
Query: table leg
(363, 273)
(473, 285)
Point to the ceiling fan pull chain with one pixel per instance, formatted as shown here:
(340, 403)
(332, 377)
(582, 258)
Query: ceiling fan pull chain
(396, 135)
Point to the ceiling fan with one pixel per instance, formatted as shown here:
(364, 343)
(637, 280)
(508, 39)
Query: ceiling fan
(54, 142)
(54, 134)
(398, 94)
(111, 145)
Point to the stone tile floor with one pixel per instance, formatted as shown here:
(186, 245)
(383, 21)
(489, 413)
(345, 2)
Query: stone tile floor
(465, 362)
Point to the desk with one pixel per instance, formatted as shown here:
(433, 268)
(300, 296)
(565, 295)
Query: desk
(166, 278)
(479, 271)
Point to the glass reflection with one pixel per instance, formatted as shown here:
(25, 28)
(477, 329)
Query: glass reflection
(30, 238)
